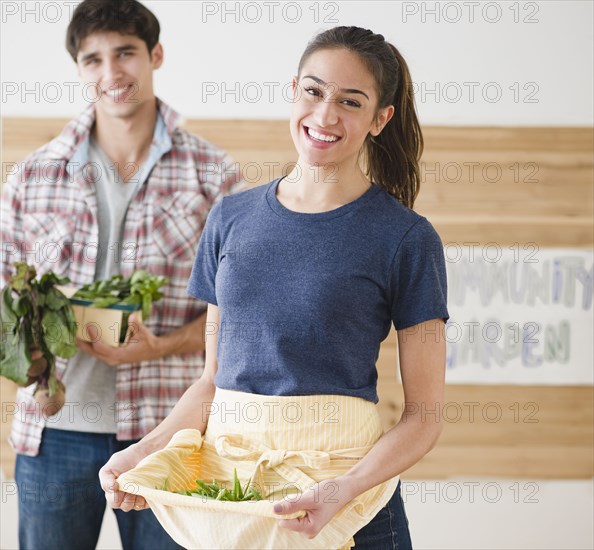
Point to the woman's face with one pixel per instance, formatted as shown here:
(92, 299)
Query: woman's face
(334, 108)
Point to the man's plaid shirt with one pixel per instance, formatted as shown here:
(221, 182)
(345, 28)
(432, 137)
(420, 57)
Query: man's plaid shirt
(49, 219)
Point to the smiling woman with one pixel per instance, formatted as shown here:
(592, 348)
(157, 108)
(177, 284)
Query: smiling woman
(369, 79)
(330, 121)
(306, 326)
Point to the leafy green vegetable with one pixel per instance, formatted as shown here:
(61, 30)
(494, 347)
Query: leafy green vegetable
(54, 299)
(16, 354)
(35, 315)
(216, 491)
(58, 340)
(9, 316)
(141, 289)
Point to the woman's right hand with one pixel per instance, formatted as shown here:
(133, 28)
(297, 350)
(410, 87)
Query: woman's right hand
(119, 463)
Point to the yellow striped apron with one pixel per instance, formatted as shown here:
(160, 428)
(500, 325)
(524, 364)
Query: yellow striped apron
(285, 444)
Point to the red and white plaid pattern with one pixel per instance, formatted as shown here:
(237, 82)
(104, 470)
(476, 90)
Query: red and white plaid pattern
(49, 219)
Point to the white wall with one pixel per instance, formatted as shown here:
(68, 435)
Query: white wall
(537, 55)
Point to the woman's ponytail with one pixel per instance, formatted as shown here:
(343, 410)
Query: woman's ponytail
(393, 156)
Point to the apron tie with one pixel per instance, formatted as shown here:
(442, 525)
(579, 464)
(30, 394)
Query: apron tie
(285, 462)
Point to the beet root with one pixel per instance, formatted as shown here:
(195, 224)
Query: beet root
(51, 405)
(38, 367)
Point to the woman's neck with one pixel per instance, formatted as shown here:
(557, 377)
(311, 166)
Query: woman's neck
(313, 188)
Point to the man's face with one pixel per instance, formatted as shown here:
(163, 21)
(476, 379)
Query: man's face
(121, 69)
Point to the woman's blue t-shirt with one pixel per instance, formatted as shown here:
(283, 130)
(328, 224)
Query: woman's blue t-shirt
(306, 299)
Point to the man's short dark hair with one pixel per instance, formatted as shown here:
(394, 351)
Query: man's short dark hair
(124, 16)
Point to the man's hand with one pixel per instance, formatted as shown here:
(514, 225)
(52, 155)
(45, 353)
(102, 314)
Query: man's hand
(321, 503)
(142, 345)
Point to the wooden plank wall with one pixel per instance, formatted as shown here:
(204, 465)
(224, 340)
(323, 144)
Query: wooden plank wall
(502, 185)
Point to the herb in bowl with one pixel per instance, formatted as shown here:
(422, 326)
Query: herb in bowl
(141, 289)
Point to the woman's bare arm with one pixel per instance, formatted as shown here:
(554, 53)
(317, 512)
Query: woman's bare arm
(191, 411)
(422, 351)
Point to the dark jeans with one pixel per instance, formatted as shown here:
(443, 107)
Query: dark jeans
(61, 503)
(388, 530)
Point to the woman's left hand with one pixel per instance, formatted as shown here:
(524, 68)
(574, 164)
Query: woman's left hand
(321, 503)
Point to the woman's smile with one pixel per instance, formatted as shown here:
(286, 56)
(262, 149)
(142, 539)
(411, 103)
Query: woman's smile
(320, 139)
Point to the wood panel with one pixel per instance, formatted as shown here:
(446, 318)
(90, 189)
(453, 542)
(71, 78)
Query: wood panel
(499, 430)
(501, 185)
(7, 456)
(543, 432)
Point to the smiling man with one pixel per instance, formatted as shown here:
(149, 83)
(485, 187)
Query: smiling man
(121, 188)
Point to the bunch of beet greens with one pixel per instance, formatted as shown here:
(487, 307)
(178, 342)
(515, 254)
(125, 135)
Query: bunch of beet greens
(35, 315)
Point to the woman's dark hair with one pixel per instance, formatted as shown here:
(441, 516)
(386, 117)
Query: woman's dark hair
(393, 156)
(123, 16)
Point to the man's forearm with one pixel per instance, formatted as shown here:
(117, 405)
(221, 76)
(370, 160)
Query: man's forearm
(186, 339)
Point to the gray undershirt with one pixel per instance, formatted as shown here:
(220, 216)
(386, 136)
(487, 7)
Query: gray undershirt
(91, 383)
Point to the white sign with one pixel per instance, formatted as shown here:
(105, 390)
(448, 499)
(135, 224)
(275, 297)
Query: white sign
(519, 315)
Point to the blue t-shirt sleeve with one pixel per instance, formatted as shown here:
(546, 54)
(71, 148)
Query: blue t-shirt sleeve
(202, 279)
(418, 278)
